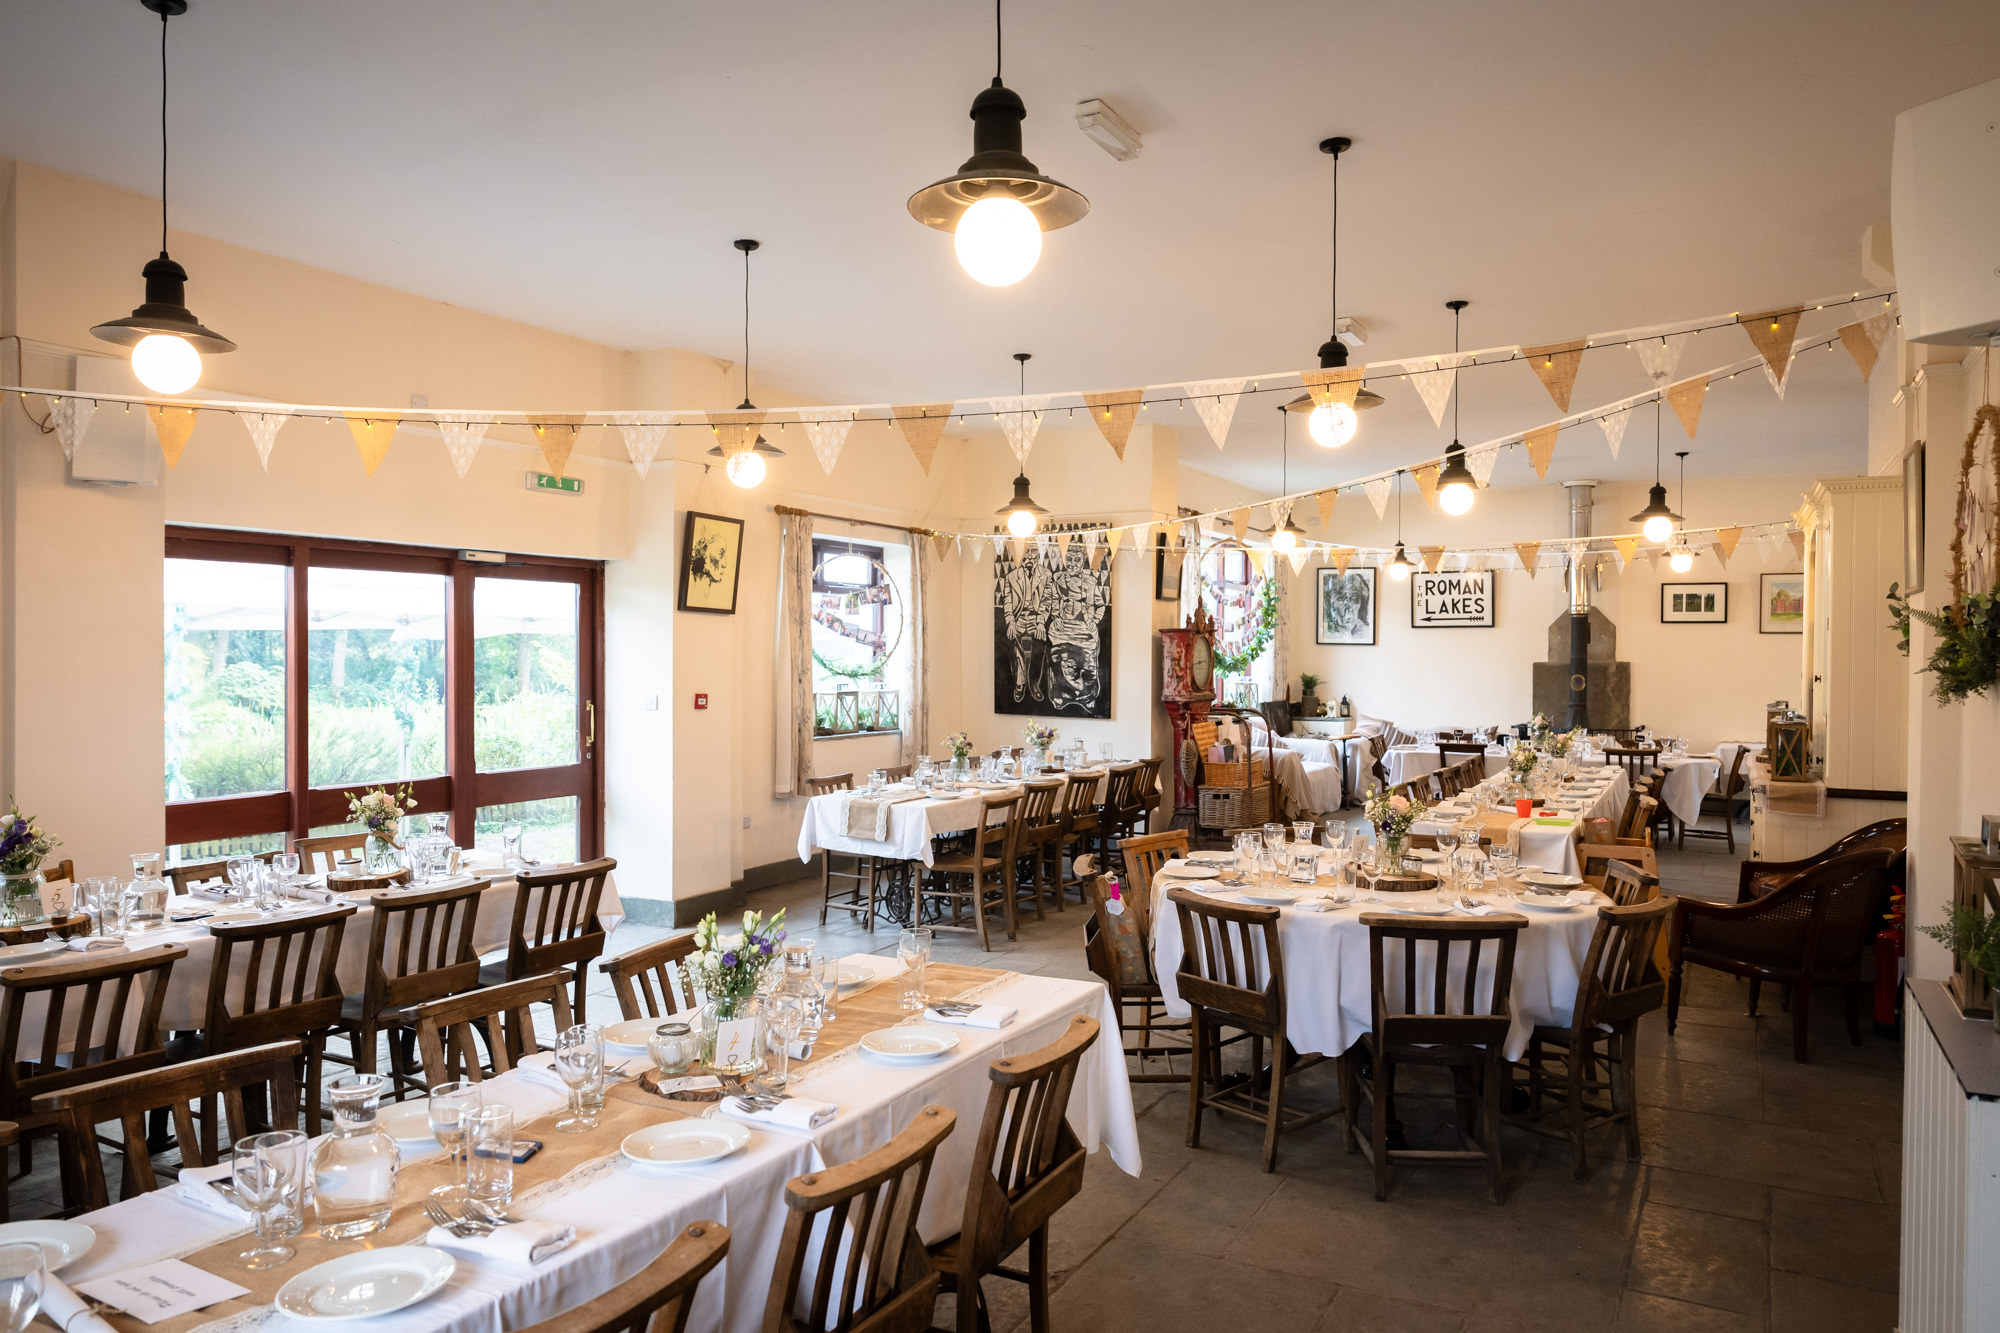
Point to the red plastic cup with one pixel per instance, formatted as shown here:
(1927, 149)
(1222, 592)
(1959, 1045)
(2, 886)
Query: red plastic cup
(1524, 807)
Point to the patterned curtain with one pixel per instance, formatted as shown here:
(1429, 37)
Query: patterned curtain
(1280, 651)
(792, 738)
(917, 698)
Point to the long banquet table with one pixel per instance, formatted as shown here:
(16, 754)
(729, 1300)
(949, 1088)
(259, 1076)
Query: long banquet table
(1689, 778)
(1548, 839)
(912, 822)
(1413, 761)
(625, 1214)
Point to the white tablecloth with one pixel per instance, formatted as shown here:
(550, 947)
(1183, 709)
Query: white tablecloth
(912, 824)
(1601, 793)
(1689, 778)
(1413, 761)
(625, 1215)
(1327, 973)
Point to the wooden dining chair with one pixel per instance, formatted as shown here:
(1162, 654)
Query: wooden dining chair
(1621, 982)
(1079, 827)
(1458, 1029)
(1232, 975)
(114, 1002)
(448, 1028)
(1115, 812)
(850, 1260)
(659, 1298)
(1040, 846)
(1118, 946)
(649, 981)
(555, 925)
(898, 772)
(1629, 885)
(1144, 855)
(1731, 789)
(1147, 794)
(128, 1099)
(286, 987)
(10, 1134)
(981, 877)
(316, 855)
(860, 875)
(421, 946)
(186, 876)
(1027, 1165)
(1636, 761)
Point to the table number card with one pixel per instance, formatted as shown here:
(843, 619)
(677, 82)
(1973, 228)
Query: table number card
(161, 1291)
(735, 1042)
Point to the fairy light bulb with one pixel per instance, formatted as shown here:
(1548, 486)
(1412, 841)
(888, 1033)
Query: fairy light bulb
(745, 469)
(1332, 424)
(166, 363)
(998, 240)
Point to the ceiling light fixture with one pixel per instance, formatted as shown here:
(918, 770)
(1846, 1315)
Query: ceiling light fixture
(166, 339)
(1682, 559)
(1107, 129)
(1287, 536)
(1333, 424)
(1456, 483)
(747, 467)
(1023, 515)
(1401, 567)
(999, 203)
(1656, 521)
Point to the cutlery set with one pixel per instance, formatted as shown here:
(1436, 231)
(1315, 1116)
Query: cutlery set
(479, 1219)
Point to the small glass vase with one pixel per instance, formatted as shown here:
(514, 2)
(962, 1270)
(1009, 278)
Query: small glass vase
(737, 1052)
(961, 768)
(22, 902)
(381, 855)
(1391, 853)
(354, 1167)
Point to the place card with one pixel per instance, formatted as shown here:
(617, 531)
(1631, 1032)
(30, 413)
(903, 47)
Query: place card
(692, 1083)
(161, 1291)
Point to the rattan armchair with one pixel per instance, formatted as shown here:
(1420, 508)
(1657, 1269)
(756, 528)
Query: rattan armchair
(1757, 878)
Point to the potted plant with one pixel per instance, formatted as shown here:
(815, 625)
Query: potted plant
(1974, 938)
(1309, 704)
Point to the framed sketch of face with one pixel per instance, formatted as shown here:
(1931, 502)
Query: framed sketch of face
(1346, 606)
(711, 563)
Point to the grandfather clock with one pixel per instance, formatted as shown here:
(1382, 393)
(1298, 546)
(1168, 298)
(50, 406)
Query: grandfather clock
(1187, 670)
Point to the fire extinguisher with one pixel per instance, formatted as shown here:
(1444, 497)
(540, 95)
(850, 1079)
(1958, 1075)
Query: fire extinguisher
(1889, 969)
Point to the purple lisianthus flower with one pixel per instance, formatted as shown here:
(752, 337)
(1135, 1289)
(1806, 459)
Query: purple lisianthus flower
(729, 959)
(764, 947)
(781, 933)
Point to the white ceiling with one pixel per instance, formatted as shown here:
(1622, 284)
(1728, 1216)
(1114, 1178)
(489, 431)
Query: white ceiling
(1569, 166)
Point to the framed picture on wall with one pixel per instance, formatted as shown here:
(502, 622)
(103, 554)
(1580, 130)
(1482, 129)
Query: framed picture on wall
(1166, 570)
(1452, 601)
(711, 563)
(1346, 606)
(1694, 603)
(1781, 605)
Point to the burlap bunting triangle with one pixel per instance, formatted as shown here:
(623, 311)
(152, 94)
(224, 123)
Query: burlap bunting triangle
(1432, 555)
(1798, 543)
(1685, 398)
(462, 433)
(1526, 552)
(643, 436)
(1325, 501)
(1427, 484)
(1239, 519)
(941, 544)
(922, 425)
(557, 436)
(828, 435)
(1114, 414)
(1555, 365)
(1342, 558)
(1771, 333)
(71, 417)
(1725, 542)
(1111, 540)
(1541, 443)
(1333, 386)
(1215, 403)
(372, 435)
(1063, 540)
(1861, 344)
(1627, 548)
(1260, 561)
(734, 431)
(174, 424)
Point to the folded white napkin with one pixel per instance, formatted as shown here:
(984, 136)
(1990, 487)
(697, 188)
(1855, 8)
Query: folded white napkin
(523, 1244)
(309, 893)
(540, 1068)
(981, 1016)
(92, 943)
(796, 1114)
(66, 1310)
(215, 893)
(209, 1199)
(1314, 905)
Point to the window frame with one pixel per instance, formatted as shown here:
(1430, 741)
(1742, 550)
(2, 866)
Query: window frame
(461, 790)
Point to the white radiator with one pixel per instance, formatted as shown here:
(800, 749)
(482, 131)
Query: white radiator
(1951, 1192)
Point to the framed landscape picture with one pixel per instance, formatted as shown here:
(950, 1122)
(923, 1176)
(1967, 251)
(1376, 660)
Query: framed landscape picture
(1452, 601)
(1694, 603)
(1346, 606)
(1781, 605)
(711, 562)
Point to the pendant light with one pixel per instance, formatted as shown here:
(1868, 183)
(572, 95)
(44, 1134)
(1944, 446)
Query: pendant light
(1682, 559)
(746, 468)
(1333, 424)
(1023, 515)
(999, 203)
(1286, 537)
(1455, 484)
(1656, 520)
(166, 339)
(1401, 567)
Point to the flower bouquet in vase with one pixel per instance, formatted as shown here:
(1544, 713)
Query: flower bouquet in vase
(1392, 816)
(380, 813)
(1041, 738)
(726, 972)
(1522, 761)
(960, 746)
(23, 845)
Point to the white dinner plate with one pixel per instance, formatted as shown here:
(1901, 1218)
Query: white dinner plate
(853, 974)
(21, 953)
(1269, 897)
(633, 1033)
(407, 1120)
(1546, 879)
(1425, 854)
(62, 1242)
(366, 1284)
(915, 1045)
(1183, 870)
(685, 1142)
(1549, 902)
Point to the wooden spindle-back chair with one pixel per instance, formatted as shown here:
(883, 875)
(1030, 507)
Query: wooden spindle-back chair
(317, 855)
(447, 1028)
(1115, 811)
(1144, 855)
(421, 946)
(1040, 845)
(1079, 826)
(982, 876)
(648, 980)
(1731, 789)
(555, 926)
(288, 990)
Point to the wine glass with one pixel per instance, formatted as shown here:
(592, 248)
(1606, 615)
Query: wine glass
(22, 1265)
(286, 864)
(580, 1062)
(786, 1015)
(451, 1104)
(263, 1168)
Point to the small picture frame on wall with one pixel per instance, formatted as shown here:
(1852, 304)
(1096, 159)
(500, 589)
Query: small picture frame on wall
(711, 563)
(1452, 601)
(1781, 604)
(1694, 603)
(1347, 606)
(1166, 570)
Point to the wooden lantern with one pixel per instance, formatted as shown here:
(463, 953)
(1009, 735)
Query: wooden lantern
(1789, 745)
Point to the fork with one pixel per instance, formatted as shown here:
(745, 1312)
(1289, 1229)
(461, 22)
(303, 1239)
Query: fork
(457, 1226)
(487, 1212)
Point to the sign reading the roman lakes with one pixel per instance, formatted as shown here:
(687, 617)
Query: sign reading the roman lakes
(1451, 601)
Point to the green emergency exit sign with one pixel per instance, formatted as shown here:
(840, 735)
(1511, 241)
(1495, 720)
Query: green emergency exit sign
(547, 481)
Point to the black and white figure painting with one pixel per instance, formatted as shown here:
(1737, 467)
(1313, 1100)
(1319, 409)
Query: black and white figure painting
(1346, 606)
(1451, 601)
(1051, 632)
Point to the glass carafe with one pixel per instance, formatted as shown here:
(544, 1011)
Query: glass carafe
(354, 1167)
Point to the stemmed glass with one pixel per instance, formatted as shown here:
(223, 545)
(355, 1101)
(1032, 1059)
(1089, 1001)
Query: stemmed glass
(786, 1015)
(264, 1167)
(580, 1062)
(22, 1265)
(451, 1106)
(913, 947)
(287, 866)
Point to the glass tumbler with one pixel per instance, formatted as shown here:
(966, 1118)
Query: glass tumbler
(489, 1155)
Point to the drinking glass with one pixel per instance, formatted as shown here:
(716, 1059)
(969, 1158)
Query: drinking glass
(786, 1015)
(263, 1167)
(22, 1265)
(287, 865)
(1336, 835)
(1105, 750)
(877, 779)
(93, 893)
(107, 907)
(511, 833)
(1274, 838)
(580, 1062)
(145, 904)
(1502, 861)
(826, 968)
(450, 1105)
(489, 1155)
(914, 948)
(1304, 863)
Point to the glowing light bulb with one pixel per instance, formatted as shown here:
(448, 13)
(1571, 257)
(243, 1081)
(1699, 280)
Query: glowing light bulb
(1399, 568)
(1682, 560)
(1021, 523)
(1332, 424)
(998, 240)
(745, 469)
(1658, 528)
(1283, 540)
(166, 363)
(1456, 498)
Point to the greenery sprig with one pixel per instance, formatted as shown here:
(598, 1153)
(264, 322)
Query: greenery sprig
(1238, 662)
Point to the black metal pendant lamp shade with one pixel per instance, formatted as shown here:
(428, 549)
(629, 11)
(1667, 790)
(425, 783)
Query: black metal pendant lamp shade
(1657, 515)
(762, 446)
(997, 163)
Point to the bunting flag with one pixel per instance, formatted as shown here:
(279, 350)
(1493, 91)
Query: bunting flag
(1281, 513)
(1433, 381)
(1017, 545)
(1661, 357)
(71, 417)
(1239, 519)
(1613, 427)
(1260, 561)
(1479, 462)
(1298, 555)
(1777, 380)
(1685, 398)
(1377, 492)
(1725, 542)
(1325, 501)
(1526, 553)
(1771, 333)
(1114, 414)
(1541, 443)
(1333, 386)
(1555, 366)
(1798, 537)
(1476, 564)
(174, 424)
(557, 436)
(1215, 403)
(941, 544)
(463, 431)
(372, 435)
(1112, 538)
(734, 431)
(1627, 548)
(1433, 556)
(643, 433)
(1427, 484)
(1063, 540)
(1020, 419)
(1863, 340)
(923, 425)
(263, 428)
(827, 437)
(1342, 558)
